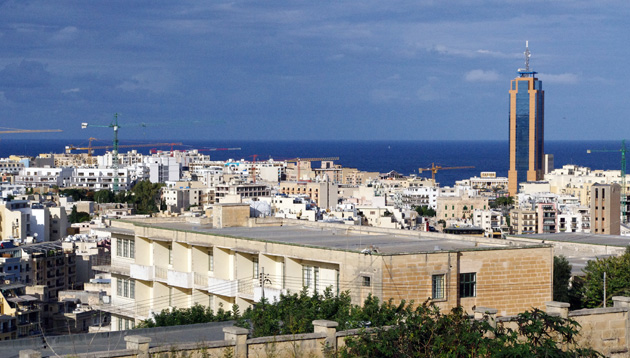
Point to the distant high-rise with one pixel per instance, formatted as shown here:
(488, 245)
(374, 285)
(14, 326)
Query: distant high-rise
(527, 128)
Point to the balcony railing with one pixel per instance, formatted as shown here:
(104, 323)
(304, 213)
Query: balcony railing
(161, 273)
(222, 287)
(142, 272)
(179, 279)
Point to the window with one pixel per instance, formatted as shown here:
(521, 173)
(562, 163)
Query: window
(125, 248)
(170, 254)
(316, 278)
(306, 275)
(468, 284)
(126, 288)
(255, 267)
(437, 289)
(211, 259)
(118, 247)
(366, 281)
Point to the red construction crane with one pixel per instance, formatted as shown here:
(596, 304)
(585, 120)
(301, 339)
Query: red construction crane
(434, 169)
(254, 167)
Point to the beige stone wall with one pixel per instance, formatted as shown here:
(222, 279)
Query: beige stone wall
(230, 215)
(511, 280)
(605, 330)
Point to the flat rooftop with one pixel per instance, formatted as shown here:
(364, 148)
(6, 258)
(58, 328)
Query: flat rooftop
(347, 239)
(581, 238)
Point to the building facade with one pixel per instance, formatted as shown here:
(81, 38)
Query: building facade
(606, 209)
(527, 118)
(155, 267)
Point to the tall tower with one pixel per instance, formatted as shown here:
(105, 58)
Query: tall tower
(527, 127)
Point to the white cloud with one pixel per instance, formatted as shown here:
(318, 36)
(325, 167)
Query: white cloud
(71, 90)
(481, 75)
(565, 78)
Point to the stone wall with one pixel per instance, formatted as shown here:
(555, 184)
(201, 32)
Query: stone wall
(514, 280)
(604, 329)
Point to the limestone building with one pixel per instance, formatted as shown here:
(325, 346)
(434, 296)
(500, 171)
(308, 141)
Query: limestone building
(606, 209)
(185, 263)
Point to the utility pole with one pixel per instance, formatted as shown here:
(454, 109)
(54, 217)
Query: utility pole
(263, 279)
(604, 289)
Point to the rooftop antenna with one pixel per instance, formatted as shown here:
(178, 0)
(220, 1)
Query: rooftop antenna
(526, 72)
(527, 56)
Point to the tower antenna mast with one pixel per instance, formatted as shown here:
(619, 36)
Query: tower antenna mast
(527, 56)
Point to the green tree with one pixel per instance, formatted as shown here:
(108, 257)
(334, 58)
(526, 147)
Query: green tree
(617, 269)
(191, 315)
(561, 277)
(425, 211)
(104, 196)
(424, 331)
(146, 196)
(78, 216)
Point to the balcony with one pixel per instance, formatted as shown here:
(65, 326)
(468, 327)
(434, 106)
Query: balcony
(142, 272)
(179, 279)
(271, 293)
(161, 274)
(221, 287)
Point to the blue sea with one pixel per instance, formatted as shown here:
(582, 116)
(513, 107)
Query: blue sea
(404, 157)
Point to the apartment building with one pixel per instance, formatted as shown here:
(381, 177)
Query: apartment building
(490, 221)
(44, 177)
(459, 207)
(237, 192)
(547, 214)
(523, 221)
(324, 194)
(182, 264)
(19, 312)
(605, 209)
(101, 179)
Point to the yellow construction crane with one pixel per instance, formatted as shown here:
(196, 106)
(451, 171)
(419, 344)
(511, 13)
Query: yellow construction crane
(434, 169)
(90, 148)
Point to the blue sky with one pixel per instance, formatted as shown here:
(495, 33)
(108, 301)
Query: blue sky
(242, 70)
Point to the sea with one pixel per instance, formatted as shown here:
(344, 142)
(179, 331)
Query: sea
(404, 157)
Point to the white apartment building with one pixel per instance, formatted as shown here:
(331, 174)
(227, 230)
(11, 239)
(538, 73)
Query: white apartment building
(163, 169)
(490, 221)
(99, 179)
(10, 167)
(44, 177)
(420, 196)
(7, 189)
(26, 221)
(294, 207)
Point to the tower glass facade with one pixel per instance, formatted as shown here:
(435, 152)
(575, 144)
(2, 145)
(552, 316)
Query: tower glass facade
(526, 130)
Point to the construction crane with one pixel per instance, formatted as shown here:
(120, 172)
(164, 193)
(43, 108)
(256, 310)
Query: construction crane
(254, 167)
(299, 160)
(215, 149)
(114, 125)
(91, 149)
(434, 169)
(624, 196)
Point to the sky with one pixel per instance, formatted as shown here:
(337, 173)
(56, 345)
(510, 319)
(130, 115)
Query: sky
(335, 70)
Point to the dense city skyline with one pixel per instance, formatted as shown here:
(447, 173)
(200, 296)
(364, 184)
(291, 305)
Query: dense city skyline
(246, 70)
